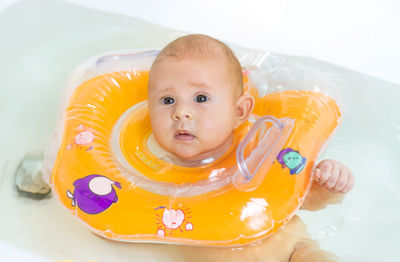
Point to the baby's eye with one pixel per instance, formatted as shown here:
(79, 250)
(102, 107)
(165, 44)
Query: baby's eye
(168, 100)
(201, 98)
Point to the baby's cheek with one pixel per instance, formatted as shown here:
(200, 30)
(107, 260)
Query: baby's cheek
(158, 119)
(218, 132)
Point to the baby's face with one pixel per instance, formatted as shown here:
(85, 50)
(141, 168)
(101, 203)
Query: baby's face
(192, 107)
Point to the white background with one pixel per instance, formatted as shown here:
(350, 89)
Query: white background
(362, 35)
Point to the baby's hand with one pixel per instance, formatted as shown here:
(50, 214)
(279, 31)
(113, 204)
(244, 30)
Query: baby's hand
(334, 176)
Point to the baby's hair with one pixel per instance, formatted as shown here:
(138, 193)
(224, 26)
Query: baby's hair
(198, 46)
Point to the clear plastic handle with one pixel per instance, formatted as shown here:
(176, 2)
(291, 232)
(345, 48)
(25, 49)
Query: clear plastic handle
(269, 140)
(129, 56)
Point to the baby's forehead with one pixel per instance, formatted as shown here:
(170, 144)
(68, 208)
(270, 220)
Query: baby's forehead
(196, 71)
(207, 52)
(219, 58)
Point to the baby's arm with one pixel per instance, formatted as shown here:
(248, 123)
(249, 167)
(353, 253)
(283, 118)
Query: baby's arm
(308, 250)
(331, 181)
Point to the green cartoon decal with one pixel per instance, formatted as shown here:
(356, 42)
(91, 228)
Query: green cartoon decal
(291, 159)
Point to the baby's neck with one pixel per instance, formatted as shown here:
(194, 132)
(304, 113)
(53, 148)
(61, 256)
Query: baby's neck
(198, 160)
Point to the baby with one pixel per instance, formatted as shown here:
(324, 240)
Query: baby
(195, 101)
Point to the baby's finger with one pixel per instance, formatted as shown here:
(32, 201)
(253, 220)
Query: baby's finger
(342, 181)
(317, 174)
(333, 178)
(350, 184)
(325, 173)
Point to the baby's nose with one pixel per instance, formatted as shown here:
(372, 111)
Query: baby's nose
(182, 114)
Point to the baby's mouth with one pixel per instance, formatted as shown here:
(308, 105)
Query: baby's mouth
(184, 135)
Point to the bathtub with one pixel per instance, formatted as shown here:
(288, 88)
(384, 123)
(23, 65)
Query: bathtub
(43, 41)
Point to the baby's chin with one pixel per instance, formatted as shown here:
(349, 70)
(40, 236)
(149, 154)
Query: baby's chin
(187, 154)
(191, 158)
(196, 154)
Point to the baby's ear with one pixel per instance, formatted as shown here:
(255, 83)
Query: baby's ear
(244, 107)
